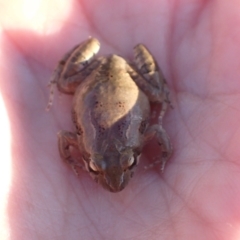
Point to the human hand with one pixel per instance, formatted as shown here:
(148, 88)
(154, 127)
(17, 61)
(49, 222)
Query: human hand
(197, 196)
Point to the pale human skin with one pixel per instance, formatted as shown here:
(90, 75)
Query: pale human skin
(197, 196)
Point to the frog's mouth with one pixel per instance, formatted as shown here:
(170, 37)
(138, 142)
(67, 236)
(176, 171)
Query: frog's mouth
(116, 184)
(114, 178)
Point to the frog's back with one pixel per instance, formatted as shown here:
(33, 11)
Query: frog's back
(109, 100)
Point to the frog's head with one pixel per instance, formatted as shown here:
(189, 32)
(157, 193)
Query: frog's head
(113, 170)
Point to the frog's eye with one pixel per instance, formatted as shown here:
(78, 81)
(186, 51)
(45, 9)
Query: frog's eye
(93, 166)
(131, 161)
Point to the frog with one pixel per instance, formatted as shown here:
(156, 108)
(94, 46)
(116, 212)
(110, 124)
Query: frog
(111, 111)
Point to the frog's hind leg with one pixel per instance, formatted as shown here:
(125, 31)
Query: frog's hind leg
(149, 78)
(155, 85)
(73, 68)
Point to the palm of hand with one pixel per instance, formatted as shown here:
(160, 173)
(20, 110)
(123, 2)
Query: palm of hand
(199, 188)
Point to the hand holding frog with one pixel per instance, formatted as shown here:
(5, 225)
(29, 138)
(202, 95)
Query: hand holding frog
(198, 194)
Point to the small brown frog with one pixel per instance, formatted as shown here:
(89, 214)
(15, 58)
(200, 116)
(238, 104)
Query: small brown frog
(111, 111)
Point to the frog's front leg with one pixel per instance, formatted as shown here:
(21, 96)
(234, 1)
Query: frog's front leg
(74, 67)
(65, 141)
(163, 140)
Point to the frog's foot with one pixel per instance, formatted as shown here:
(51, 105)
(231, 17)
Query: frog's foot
(51, 85)
(162, 161)
(65, 141)
(75, 165)
(164, 142)
(56, 76)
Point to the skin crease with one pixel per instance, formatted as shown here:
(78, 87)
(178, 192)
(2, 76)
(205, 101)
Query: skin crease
(197, 46)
